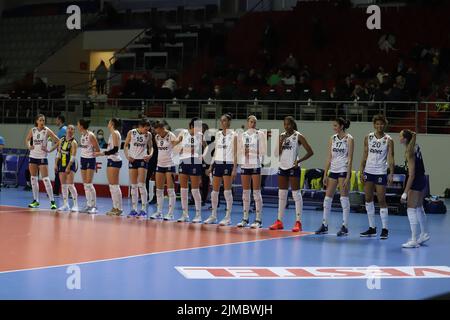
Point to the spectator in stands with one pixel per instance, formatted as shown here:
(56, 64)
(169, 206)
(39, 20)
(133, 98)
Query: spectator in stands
(288, 78)
(412, 83)
(303, 88)
(101, 139)
(330, 73)
(357, 71)
(367, 72)
(360, 94)
(253, 79)
(387, 42)
(2, 145)
(131, 87)
(381, 75)
(100, 76)
(347, 89)
(306, 73)
(274, 78)
(291, 63)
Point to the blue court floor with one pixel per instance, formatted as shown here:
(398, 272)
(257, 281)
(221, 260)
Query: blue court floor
(323, 264)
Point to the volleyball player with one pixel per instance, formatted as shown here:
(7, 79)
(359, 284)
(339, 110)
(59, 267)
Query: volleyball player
(36, 141)
(413, 193)
(252, 146)
(289, 172)
(165, 141)
(138, 150)
(339, 165)
(66, 165)
(377, 157)
(191, 167)
(114, 166)
(88, 146)
(223, 167)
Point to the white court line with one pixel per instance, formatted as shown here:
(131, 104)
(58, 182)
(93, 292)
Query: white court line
(141, 255)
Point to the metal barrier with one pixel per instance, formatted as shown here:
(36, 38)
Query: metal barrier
(424, 117)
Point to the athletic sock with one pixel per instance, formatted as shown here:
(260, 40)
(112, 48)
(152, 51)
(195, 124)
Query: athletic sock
(229, 200)
(35, 187)
(370, 208)
(326, 210)
(184, 192)
(345, 203)
(412, 216)
(282, 200)
(49, 188)
(246, 202)
(144, 195)
(214, 202)
(198, 200)
(172, 200)
(159, 200)
(258, 203)
(422, 218)
(384, 214)
(134, 196)
(297, 195)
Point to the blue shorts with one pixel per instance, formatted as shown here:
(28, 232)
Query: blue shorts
(114, 164)
(39, 162)
(73, 168)
(419, 183)
(166, 169)
(138, 164)
(337, 175)
(222, 170)
(293, 172)
(249, 172)
(190, 169)
(380, 179)
(88, 164)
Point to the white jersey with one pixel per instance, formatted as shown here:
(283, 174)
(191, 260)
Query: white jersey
(250, 153)
(86, 146)
(40, 140)
(165, 150)
(224, 147)
(339, 153)
(191, 145)
(115, 156)
(290, 148)
(139, 144)
(378, 153)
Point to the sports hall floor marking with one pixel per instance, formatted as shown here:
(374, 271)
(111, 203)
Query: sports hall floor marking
(51, 213)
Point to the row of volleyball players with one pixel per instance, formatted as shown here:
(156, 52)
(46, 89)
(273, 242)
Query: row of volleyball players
(378, 156)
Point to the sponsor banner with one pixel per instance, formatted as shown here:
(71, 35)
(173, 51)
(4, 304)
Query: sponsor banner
(322, 273)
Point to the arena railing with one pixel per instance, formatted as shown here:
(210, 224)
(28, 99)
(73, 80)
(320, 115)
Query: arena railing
(423, 116)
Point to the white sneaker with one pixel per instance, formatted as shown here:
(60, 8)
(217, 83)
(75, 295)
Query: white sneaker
(92, 210)
(168, 217)
(75, 209)
(184, 218)
(156, 215)
(64, 208)
(197, 219)
(410, 244)
(225, 221)
(211, 220)
(85, 209)
(242, 224)
(256, 225)
(424, 237)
